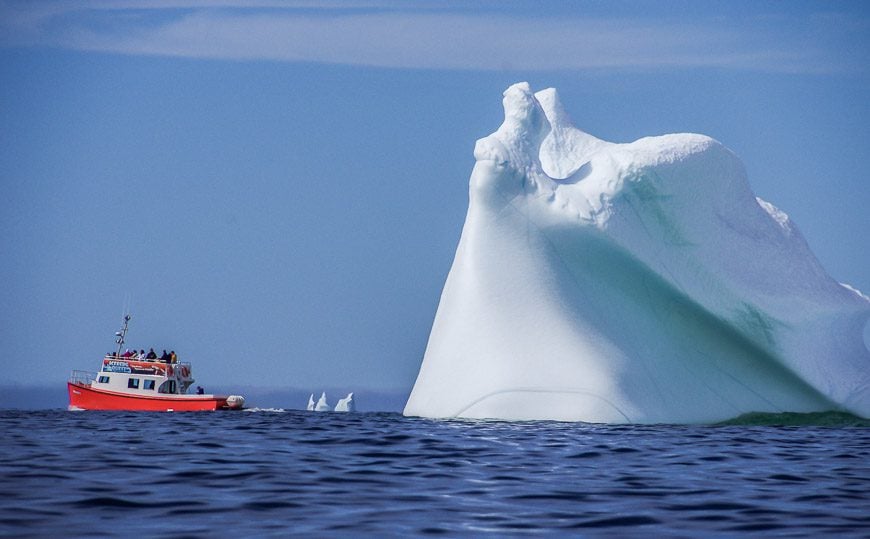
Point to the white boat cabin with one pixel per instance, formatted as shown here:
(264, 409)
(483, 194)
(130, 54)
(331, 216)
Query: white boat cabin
(143, 376)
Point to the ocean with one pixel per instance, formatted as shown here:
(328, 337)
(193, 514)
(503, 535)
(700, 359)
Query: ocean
(265, 473)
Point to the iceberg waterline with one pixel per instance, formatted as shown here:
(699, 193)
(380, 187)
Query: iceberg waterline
(639, 282)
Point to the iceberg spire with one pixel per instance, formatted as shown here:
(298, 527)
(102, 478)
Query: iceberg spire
(346, 404)
(322, 405)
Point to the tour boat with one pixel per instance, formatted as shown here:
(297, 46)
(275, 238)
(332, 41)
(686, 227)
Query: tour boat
(139, 384)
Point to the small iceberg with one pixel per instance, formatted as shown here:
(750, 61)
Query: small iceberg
(311, 403)
(322, 405)
(346, 404)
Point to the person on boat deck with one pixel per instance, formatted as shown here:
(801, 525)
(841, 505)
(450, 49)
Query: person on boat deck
(142, 354)
(200, 390)
(172, 357)
(165, 357)
(151, 354)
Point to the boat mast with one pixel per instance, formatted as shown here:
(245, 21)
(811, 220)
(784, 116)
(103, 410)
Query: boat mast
(122, 334)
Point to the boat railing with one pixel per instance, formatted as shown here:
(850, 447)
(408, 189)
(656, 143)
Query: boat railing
(115, 357)
(82, 378)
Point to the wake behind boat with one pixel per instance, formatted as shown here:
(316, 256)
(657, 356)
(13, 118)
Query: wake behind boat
(134, 383)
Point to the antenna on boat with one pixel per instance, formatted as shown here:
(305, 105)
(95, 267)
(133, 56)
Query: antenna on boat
(122, 334)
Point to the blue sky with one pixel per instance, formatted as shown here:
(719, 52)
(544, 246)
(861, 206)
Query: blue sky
(276, 189)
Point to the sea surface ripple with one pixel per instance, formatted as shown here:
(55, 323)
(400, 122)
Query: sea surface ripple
(276, 473)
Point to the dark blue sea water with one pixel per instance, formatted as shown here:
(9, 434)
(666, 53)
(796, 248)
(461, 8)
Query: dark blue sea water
(270, 473)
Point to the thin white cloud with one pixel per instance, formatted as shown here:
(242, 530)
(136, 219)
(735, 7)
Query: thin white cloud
(378, 34)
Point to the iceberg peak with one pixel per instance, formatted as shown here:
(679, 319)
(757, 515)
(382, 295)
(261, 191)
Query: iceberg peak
(565, 149)
(524, 119)
(517, 140)
(322, 405)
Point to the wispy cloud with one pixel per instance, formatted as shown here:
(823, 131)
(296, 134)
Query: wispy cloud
(396, 35)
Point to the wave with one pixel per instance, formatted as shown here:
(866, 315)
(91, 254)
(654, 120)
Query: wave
(794, 419)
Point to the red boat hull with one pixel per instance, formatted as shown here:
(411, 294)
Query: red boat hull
(86, 398)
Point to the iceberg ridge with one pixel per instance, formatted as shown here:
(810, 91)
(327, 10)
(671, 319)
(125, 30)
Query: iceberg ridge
(639, 282)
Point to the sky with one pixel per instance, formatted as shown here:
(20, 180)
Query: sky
(275, 190)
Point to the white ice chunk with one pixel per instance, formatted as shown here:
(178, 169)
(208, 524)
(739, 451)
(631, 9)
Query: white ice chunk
(322, 405)
(346, 404)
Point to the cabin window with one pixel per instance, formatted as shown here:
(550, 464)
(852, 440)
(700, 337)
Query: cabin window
(149, 384)
(167, 387)
(103, 380)
(133, 383)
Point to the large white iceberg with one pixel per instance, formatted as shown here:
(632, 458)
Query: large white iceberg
(639, 282)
